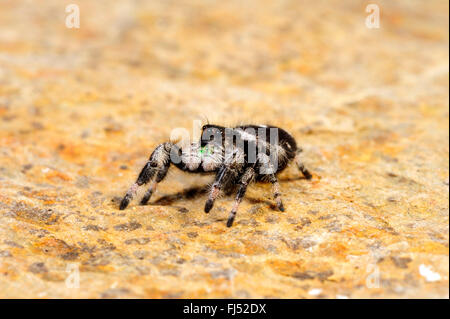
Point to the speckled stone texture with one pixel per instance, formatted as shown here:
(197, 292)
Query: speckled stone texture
(82, 109)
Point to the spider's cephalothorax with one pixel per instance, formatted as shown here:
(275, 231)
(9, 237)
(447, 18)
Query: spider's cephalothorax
(236, 155)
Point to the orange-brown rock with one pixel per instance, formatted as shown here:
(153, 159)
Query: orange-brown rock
(81, 110)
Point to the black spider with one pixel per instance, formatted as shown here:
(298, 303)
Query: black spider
(236, 155)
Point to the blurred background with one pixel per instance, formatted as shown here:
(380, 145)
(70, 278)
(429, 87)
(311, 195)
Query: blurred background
(81, 109)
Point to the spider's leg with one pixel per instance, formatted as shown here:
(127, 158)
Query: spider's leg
(246, 178)
(301, 166)
(148, 194)
(276, 191)
(161, 173)
(144, 177)
(158, 164)
(222, 177)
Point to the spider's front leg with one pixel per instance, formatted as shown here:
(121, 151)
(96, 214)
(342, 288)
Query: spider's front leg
(160, 174)
(232, 165)
(223, 177)
(246, 178)
(157, 165)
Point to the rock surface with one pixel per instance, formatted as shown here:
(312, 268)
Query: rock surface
(82, 109)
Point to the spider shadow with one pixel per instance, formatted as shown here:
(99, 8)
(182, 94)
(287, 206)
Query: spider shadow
(189, 193)
(199, 191)
(292, 179)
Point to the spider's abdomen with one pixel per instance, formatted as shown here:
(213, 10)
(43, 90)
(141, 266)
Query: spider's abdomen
(272, 141)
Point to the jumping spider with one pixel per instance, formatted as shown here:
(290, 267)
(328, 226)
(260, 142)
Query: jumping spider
(237, 156)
